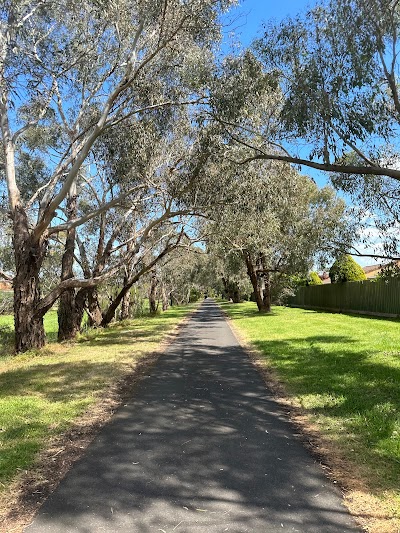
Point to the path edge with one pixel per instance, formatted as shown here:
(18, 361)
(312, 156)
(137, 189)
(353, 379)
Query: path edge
(363, 506)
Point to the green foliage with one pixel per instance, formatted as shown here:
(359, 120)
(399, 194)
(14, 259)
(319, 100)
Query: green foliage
(6, 302)
(297, 280)
(337, 65)
(279, 222)
(314, 279)
(389, 271)
(195, 295)
(346, 269)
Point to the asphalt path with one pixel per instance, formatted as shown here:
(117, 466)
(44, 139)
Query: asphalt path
(201, 447)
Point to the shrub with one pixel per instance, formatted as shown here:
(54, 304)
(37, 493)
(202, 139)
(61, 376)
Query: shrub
(314, 279)
(346, 269)
(296, 280)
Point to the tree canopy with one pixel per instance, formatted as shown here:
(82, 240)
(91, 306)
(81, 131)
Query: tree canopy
(332, 76)
(126, 137)
(277, 223)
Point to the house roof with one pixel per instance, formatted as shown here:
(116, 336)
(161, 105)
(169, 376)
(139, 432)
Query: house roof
(372, 268)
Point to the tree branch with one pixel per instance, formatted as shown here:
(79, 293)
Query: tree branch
(82, 220)
(338, 168)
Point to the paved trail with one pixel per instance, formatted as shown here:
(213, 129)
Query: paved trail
(202, 447)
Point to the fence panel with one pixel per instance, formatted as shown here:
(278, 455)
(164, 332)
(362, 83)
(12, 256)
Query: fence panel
(364, 297)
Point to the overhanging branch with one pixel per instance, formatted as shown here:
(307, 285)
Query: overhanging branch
(337, 168)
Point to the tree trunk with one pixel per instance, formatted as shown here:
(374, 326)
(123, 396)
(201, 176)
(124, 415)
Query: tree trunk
(165, 299)
(267, 293)
(153, 293)
(126, 302)
(235, 295)
(110, 313)
(261, 285)
(68, 320)
(94, 308)
(29, 329)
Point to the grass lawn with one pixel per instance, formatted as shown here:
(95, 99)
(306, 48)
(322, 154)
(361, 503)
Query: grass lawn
(43, 393)
(344, 370)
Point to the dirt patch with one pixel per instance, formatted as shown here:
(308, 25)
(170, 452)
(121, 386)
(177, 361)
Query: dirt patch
(35, 485)
(368, 509)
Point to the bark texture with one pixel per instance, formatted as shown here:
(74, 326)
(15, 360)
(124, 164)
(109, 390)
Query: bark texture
(125, 303)
(29, 255)
(94, 308)
(68, 317)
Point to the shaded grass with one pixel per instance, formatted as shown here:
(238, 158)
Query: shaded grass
(345, 372)
(42, 393)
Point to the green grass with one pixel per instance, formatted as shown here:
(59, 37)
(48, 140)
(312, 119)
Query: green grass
(43, 393)
(345, 372)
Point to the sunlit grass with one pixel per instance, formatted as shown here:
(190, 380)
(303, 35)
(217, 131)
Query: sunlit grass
(345, 372)
(44, 392)
(7, 328)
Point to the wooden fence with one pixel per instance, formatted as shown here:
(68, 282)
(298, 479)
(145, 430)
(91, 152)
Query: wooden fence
(380, 298)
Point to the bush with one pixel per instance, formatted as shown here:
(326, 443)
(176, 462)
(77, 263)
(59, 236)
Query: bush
(346, 269)
(314, 279)
(295, 280)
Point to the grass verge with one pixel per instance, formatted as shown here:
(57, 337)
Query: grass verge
(343, 371)
(52, 402)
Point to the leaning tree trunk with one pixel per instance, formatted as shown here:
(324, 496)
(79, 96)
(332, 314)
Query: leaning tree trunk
(29, 255)
(261, 289)
(109, 314)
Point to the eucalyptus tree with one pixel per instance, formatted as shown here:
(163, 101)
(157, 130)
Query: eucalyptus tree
(226, 269)
(279, 224)
(174, 166)
(68, 73)
(337, 105)
(143, 259)
(337, 67)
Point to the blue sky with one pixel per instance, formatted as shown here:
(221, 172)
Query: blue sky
(254, 12)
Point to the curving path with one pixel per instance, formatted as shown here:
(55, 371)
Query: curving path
(201, 447)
